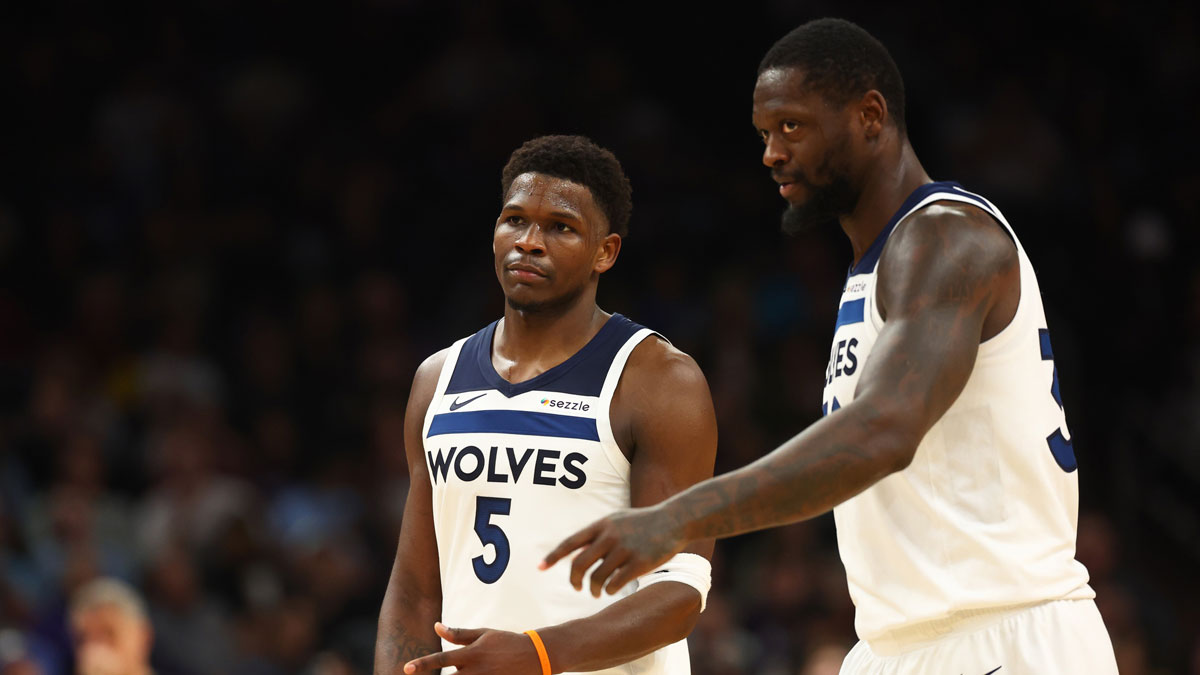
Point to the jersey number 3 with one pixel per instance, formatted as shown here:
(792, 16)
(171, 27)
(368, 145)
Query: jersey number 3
(485, 508)
(1060, 445)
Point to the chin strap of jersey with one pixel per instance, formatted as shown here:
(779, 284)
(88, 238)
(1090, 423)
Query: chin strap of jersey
(686, 568)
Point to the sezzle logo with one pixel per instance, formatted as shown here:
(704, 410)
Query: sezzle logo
(566, 405)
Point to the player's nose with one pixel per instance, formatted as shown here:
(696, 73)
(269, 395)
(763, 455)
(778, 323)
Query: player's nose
(775, 152)
(531, 240)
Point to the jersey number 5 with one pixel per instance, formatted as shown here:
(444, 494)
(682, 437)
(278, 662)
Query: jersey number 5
(1060, 445)
(485, 508)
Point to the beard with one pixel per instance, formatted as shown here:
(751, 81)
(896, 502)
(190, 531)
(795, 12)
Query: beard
(826, 203)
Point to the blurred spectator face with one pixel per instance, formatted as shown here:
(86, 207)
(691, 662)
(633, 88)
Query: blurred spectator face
(111, 631)
(109, 641)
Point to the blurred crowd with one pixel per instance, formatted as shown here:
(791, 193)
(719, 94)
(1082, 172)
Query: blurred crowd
(229, 234)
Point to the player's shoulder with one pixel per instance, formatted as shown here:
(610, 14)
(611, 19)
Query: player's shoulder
(662, 396)
(656, 365)
(432, 366)
(953, 229)
(426, 378)
(947, 241)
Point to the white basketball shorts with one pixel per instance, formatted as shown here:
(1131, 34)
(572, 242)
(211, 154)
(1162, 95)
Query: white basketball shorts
(1061, 637)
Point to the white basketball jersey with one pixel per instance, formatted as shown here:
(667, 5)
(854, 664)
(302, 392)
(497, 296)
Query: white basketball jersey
(985, 515)
(517, 468)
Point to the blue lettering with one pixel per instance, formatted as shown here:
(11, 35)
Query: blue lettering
(441, 464)
(473, 473)
(515, 466)
(544, 465)
(837, 364)
(851, 359)
(1060, 446)
(572, 464)
(825, 409)
(493, 476)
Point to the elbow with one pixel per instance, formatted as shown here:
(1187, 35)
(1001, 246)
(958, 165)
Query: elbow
(688, 624)
(683, 615)
(893, 435)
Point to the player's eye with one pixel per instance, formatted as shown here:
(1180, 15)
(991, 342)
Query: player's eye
(562, 227)
(513, 220)
(789, 127)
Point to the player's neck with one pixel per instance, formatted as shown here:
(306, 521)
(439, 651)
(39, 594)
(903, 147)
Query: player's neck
(527, 344)
(887, 185)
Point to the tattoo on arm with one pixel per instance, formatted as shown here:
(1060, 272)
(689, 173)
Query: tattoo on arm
(939, 287)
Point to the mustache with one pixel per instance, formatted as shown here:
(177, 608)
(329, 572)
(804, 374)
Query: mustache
(526, 263)
(786, 177)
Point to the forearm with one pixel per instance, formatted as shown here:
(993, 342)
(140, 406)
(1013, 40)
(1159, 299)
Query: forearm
(630, 628)
(405, 629)
(828, 463)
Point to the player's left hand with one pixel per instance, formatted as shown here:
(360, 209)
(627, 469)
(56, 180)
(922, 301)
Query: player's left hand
(485, 652)
(630, 543)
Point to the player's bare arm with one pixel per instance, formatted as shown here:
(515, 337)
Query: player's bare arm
(413, 601)
(663, 419)
(948, 279)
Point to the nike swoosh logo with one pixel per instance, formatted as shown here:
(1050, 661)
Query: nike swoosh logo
(455, 405)
(993, 670)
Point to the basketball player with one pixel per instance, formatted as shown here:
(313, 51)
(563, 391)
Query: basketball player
(944, 451)
(538, 424)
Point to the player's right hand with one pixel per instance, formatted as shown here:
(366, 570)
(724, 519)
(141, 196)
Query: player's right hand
(483, 652)
(629, 543)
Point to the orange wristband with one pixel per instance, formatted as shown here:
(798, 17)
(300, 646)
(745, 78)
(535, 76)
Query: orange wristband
(541, 650)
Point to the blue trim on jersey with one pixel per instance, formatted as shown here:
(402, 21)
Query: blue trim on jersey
(515, 422)
(850, 313)
(1044, 339)
(582, 374)
(866, 265)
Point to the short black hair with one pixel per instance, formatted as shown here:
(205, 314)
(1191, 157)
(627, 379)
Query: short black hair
(841, 61)
(579, 160)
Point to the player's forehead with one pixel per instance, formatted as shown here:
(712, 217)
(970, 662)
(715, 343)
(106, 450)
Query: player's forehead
(533, 191)
(782, 90)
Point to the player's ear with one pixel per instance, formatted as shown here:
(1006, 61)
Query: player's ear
(872, 111)
(606, 253)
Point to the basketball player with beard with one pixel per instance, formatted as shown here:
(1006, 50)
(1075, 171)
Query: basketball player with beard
(943, 450)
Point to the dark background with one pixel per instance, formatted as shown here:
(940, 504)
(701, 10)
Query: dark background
(230, 233)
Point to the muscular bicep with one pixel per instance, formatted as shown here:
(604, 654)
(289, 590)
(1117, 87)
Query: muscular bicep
(672, 422)
(941, 276)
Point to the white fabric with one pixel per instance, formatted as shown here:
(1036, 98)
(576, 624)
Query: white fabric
(540, 514)
(983, 516)
(685, 568)
(1064, 637)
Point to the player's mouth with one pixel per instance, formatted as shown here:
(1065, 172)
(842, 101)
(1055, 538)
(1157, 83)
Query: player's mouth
(788, 184)
(525, 271)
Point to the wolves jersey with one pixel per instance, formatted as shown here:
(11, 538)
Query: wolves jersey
(985, 515)
(517, 468)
